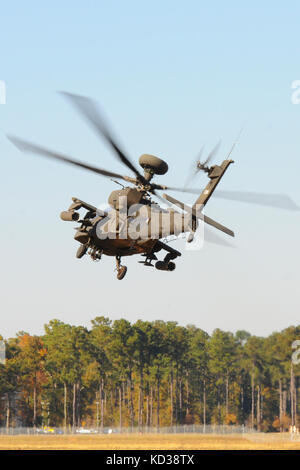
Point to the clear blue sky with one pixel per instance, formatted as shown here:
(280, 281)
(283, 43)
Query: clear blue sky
(171, 76)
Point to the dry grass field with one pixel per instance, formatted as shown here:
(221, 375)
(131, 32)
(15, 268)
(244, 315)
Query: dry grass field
(150, 441)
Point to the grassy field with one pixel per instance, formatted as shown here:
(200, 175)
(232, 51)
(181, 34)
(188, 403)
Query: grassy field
(150, 441)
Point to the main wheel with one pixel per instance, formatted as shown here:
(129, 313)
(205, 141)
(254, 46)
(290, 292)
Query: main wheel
(81, 251)
(171, 266)
(121, 272)
(161, 265)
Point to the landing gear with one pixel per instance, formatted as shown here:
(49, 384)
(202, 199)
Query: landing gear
(148, 258)
(166, 264)
(163, 266)
(171, 266)
(122, 270)
(81, 251)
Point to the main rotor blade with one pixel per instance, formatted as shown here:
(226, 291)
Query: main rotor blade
(89, 110)
(36, 149)
(281, 201)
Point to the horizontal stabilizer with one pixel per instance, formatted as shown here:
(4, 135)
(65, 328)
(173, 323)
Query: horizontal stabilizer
(217, 225)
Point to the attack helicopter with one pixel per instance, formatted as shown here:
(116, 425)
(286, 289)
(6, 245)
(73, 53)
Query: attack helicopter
(135, 224)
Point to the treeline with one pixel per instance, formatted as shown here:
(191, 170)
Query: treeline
(119, 374)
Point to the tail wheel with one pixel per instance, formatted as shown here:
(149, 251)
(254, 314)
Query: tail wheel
(121, 272)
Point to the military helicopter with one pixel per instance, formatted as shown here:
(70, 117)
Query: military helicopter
(135, 224)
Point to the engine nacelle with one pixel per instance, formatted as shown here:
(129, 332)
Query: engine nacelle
(128, 196)
(69, 216)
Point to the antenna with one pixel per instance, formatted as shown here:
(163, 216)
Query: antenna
(235, 142)
(115, 181)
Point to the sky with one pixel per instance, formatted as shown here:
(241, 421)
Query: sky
(170, 77)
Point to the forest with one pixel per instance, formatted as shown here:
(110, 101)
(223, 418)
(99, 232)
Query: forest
(148, 374)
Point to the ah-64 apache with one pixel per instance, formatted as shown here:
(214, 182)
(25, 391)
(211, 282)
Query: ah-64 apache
(133, 205)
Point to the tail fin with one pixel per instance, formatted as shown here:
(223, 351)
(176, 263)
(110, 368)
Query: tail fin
(215, 175)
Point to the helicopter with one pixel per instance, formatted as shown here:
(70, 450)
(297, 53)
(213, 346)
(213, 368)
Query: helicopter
(135, 224)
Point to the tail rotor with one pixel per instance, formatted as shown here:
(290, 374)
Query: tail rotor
(204, 166)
